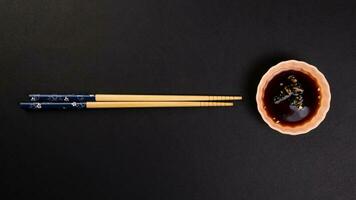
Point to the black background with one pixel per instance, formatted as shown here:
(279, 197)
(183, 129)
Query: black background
(172, 47)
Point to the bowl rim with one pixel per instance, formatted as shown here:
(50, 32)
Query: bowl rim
(324, 93)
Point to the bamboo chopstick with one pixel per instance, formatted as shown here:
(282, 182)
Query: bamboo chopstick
(96, 105)
(155, 104)
(126, 98)
(108, 97)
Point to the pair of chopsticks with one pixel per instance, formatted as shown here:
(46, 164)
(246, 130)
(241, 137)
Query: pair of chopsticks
(90, 101)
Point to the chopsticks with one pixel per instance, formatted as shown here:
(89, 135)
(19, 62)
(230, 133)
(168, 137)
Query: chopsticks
(96, 101)
(96, 105)
(126, 97)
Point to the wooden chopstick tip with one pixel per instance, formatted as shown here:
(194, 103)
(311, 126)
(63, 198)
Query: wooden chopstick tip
(229, 103)
(237, 97)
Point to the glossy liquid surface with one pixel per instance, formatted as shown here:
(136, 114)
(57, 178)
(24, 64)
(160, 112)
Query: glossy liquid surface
(292, 98)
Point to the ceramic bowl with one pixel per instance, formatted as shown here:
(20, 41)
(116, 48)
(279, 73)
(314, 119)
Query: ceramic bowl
(324, 103)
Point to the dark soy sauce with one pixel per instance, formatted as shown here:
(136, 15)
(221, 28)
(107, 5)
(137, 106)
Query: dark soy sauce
(292, 98)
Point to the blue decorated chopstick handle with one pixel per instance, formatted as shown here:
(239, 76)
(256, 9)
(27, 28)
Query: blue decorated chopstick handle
(52, 106)
(61, 97)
